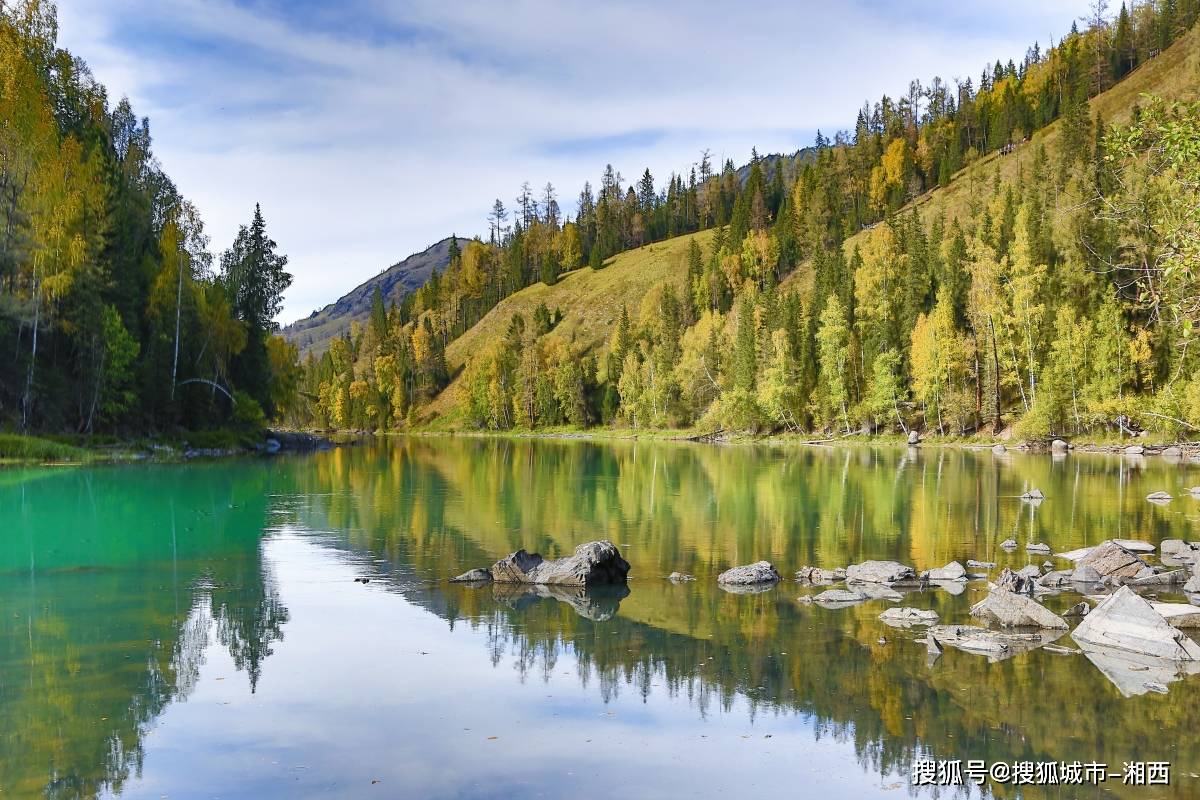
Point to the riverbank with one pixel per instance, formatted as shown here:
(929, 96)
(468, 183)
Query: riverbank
(1144, 445)
(17, 448)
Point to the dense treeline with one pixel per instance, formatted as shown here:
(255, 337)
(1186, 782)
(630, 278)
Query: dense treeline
(113, 314)
(1049, 300)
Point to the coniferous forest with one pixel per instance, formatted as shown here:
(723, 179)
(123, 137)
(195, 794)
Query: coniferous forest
(115, 315)
(821, 292)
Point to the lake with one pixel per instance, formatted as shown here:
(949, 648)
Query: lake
(196, 630)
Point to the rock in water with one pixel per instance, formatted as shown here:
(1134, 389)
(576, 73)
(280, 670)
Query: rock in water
(914, 438)
(885, 572)
(1033, 494)
(1015, 582)
(680, 577)
(592, 563)
(1037, 547)
(1009, 544)
(953, 571)
(1172, 452)
(1179, 615)
(839, 597)
(1159, 497)
(906, 617)
(1009, 610)
(1134, 450)
(749, 575)
(999, 449)
(1059, 446)
(996, 645)
(474, 576)
(1127, 622)
(1111, 560)
(1193, 584)
(1080, 609)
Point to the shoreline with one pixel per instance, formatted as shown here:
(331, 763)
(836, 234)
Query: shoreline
(285, 441)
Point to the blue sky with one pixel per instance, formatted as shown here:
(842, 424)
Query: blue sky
(370, 129)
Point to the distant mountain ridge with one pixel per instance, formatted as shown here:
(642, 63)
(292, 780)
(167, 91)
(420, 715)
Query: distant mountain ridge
(313, 333)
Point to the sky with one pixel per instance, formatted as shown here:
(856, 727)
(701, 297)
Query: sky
(369, 130)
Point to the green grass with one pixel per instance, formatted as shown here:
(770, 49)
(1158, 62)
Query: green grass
(19, 447)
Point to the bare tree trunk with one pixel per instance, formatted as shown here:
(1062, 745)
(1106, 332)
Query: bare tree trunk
(178, 301)
(28, 398)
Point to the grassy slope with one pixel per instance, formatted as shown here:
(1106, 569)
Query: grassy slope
(1174, 75)
(591, 300)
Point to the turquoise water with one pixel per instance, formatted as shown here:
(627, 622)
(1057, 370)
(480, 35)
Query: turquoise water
(196, 630)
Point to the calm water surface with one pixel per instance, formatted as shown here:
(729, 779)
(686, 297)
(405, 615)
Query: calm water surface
(195, 631)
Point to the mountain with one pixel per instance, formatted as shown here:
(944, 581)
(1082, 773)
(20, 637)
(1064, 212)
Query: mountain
(313, 333)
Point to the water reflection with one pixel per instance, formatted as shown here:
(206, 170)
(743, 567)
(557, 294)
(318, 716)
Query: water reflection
(116, 585)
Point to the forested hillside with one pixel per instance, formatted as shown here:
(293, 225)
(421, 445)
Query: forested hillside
(1021, 249)
(113, 313)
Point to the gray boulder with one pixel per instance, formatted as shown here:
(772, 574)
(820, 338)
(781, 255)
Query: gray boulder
(760, 572)
(953, 571)
(1193, 584)
(1009, 610)
(592, 563)
(973, 564)
(1135, 545)
(1037, 547)
(1134, 450)
(1033, 494)
(479, 575)
(1086, 574)
(885, 572)
(914, 438)
(1080, 609)
(1124, 621)
(999, 449)
(819, 575)
(1059, 446)
(1169, 578)
(1111, 560)
(1009, 544)
(1172, 452)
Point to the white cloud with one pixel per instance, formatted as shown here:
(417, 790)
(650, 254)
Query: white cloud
(370, 132)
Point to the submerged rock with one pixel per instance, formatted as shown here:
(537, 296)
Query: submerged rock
(1124, 621)
(839, 597)
(996, 645)
(1159, 497)
(680, 577)
(758, 573)
(885, 572)
(973, 564)
(592, 563)
(905, 617)
(1009, 610)
(479, 575)
(1135, 545)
